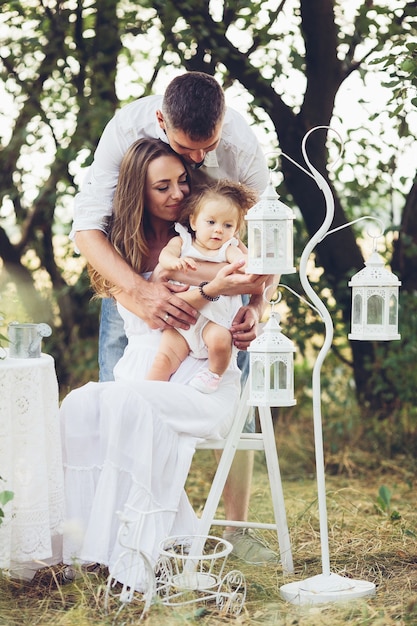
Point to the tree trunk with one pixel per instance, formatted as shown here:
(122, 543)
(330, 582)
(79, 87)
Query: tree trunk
(404, 258)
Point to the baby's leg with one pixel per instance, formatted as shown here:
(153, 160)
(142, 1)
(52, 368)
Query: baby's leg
(173, 350)
(219, 344)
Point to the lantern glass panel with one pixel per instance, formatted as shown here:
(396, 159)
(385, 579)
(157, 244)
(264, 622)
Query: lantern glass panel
(357, 309)
(273, 242)
(259, 376)
(393, 307)
(290, 241)
(282, 375)
(272, 376)
(255, 242)
(375, 310)
(278, 375)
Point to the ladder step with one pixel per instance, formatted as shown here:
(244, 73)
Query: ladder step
(247, 441)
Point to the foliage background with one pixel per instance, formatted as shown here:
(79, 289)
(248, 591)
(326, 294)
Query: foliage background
(65, 66)
(289, 65)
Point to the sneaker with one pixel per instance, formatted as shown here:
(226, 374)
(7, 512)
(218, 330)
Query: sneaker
(206, 381)
(249, 548)
(69, 573)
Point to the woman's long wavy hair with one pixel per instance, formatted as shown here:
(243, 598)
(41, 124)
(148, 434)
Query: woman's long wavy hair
(128, 225)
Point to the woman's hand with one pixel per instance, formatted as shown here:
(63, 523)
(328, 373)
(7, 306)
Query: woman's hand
(230, 281)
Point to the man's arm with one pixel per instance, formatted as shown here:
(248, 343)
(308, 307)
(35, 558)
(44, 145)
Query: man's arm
(92, 207)
(149, 301)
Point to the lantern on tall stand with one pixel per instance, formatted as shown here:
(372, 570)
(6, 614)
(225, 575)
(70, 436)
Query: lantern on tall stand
(374, 302)
(263, 235)
(271, 378)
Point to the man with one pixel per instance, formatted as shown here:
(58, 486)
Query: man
(193, 119)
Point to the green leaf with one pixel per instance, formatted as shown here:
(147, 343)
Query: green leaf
(384, 498)
(408, 66)
(6, 496)
(201, 612)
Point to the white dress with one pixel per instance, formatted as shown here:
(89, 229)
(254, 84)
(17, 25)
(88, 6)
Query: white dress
(128, 446)
(220, 311)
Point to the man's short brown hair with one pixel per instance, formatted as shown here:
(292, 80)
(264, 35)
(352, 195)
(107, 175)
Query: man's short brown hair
(194, 103)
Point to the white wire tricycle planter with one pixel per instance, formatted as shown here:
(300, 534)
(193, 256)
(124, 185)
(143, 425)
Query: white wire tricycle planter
(183, 577)
(190, 569)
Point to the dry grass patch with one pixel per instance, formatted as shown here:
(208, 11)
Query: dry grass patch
(367, 542)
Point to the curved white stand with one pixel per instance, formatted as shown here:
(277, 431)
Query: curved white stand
(326, 588)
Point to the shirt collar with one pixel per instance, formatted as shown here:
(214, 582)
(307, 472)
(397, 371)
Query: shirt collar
(210, 159)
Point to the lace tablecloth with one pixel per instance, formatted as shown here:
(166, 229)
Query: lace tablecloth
(30, 463)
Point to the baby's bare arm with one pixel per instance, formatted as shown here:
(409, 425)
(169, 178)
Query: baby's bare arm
(233, 253)
(170, 257)
(170, 254)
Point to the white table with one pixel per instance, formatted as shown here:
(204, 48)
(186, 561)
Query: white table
(30, 465)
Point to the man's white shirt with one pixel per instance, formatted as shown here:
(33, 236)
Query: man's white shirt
(238, 157)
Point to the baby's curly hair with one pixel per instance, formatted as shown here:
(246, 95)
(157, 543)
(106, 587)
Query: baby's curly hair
(241, 196)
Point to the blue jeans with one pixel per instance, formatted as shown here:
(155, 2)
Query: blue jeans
(112, 342)
(111, 339)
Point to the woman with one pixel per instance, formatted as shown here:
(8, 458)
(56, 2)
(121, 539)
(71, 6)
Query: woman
(128, 444)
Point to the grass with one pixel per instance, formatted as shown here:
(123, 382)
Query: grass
(371, 538)
(372, 525)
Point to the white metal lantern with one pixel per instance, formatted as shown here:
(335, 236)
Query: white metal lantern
(270, 236)
(374, 302)
(271, 377)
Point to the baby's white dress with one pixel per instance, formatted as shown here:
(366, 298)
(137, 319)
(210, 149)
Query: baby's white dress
(221, 311)
(128, 446)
